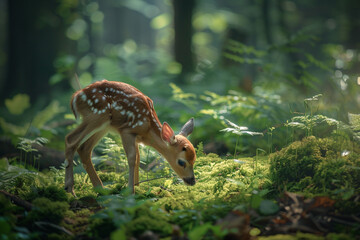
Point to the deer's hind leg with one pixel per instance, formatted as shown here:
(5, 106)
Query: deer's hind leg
(72, 141)
(85, 151)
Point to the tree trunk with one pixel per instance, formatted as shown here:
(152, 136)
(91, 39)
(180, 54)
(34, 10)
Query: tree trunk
(183, 12)
(265, 9)
(35, 33)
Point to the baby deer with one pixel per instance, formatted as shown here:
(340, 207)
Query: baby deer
(105, 106)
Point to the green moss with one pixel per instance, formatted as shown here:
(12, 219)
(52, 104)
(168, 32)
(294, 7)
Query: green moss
(314, 163)
(109, 176)
(148, 217)
(100, 228)
(52, 192)
(49, 211)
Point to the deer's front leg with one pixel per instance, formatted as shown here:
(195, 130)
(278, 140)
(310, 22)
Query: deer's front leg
(131, 150)
(137, 166)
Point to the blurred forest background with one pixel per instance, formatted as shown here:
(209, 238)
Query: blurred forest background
(252, 62)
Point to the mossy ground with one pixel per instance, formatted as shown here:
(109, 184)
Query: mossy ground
(223, 186)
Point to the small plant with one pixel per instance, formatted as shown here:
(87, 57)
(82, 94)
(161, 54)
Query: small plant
(114, 154)
(240, 131)
(315, 125)
(26, 146)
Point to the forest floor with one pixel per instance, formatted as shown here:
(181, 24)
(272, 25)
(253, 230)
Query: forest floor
(232, 199)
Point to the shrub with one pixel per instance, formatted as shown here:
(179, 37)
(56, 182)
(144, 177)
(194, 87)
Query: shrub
(314, 161)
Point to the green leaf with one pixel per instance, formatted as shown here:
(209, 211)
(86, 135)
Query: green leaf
(268, 207)
(256, 200)
(18, 104)
(199, 231)
(348, 193)
(4, 164)
(13, 129)
(118, 234)
(47, 114)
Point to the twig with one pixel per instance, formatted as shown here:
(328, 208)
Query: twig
(18, 201)
(77, 81)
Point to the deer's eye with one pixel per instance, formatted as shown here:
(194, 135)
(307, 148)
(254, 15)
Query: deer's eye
(181, 163)
(184, 148)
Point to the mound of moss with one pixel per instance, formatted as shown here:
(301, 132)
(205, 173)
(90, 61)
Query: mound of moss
(147, 217)
(319, 163)
(48, 211)
(52, 192)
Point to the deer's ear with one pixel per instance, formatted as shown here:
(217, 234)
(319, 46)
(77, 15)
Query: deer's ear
(167, 134)
(188, 128)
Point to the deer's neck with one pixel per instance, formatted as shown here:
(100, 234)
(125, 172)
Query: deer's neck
(153, 139)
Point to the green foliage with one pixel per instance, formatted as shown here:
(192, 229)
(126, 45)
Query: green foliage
(113, 154)
(27, 153)
(36, 126)
(143, 219)
(134, 216)
(300, 74)
(180, 96)
(257, 112)
(49, 211)
(242, 53)
(48, 113)
(235, 129)
(317, 125)
(200, 150)
(18, 180)
(18, 104)
(316, 163)
(354, 122)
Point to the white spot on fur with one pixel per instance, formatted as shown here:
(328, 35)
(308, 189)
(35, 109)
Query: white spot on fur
(103, 98)
(139, 115)
(94, 90)
(89, 102)
(96, 100)
(95, 111)
(122, 112)
(140, 123)
(83, 96)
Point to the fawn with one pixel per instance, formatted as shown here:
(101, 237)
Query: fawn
(107, 105)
